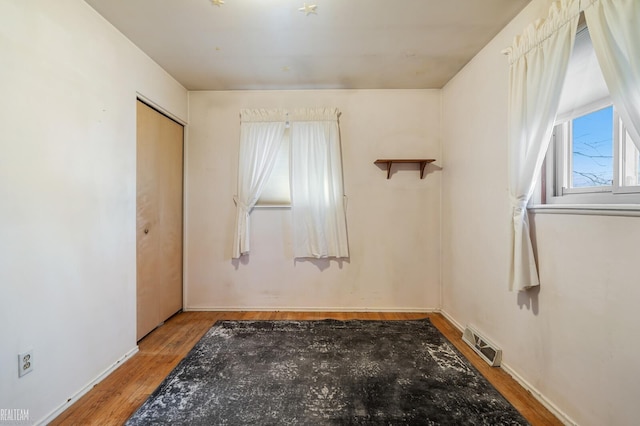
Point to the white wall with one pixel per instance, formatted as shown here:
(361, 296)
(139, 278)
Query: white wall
(68, 83)
(67, 242)
(393, 225)
(573, 339)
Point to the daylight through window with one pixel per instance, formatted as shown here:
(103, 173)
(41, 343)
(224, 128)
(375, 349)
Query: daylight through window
(277, 190)
(591, 157)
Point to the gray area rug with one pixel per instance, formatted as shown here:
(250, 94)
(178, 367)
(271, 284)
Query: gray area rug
(325, 373)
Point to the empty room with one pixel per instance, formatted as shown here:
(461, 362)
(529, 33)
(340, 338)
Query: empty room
(329, 212)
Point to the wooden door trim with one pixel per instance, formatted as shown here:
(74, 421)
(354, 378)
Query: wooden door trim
(177, 130)
(158, 108)
(148, 102)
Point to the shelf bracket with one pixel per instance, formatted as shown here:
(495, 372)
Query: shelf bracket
(389, 162)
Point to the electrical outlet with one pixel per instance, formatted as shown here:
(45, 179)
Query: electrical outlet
(25, 362)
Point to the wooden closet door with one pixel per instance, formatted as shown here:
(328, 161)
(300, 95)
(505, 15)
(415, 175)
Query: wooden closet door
(159, 218)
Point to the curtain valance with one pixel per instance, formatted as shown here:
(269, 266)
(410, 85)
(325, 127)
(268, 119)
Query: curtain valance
(262, 115)
(314, 114)
(561, 13)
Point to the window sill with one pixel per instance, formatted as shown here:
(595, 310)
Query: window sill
(273, 206)
(587, 209)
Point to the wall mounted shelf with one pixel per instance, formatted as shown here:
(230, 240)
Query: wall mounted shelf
(389, 162)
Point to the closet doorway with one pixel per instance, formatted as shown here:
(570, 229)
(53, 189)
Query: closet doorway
(160, 142)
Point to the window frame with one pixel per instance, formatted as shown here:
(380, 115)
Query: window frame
(550, 197)
(557, 168)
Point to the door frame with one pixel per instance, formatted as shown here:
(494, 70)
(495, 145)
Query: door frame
(161, 110)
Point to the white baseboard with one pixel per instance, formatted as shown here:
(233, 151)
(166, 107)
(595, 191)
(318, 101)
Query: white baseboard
(452, 320)
(55, 413)
(304, 309)
(563, 417)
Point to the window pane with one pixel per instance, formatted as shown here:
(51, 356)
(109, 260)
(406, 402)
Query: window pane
(592, 149)
(631, 176)
(276, 191)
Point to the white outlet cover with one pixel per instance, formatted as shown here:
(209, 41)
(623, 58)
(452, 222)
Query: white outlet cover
(25, 362)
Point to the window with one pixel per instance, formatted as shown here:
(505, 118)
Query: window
(591, 158)
(591, 150)
(277, 190)
(317, 199)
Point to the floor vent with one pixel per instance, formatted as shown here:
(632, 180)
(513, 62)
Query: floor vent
(482, 346)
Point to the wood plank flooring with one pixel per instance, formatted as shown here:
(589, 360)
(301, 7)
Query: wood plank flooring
(114, 399)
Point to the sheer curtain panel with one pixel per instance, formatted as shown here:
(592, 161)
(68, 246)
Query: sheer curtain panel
(539, 60)
(614, 26)
(317, 193)
(261, 133)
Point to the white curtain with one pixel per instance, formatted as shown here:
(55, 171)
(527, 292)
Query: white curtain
(614, 26)
(539, 60)
(317, 194)
(261, 133)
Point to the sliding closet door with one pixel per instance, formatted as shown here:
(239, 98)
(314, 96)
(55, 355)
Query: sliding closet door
(159, 218)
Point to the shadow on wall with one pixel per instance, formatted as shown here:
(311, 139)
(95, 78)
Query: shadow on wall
(243, 260)
(529, 299)
(321, 264)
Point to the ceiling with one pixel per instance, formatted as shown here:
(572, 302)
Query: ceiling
(339, 44)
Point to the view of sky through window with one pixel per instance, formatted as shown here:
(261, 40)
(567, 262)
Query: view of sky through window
(592, 149)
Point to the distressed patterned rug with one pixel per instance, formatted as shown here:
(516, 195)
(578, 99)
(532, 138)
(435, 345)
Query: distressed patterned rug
(325, 373)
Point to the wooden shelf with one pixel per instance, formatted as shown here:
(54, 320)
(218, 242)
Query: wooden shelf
(389, 162)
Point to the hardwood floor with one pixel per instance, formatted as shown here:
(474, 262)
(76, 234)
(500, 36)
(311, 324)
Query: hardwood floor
(114, 399)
